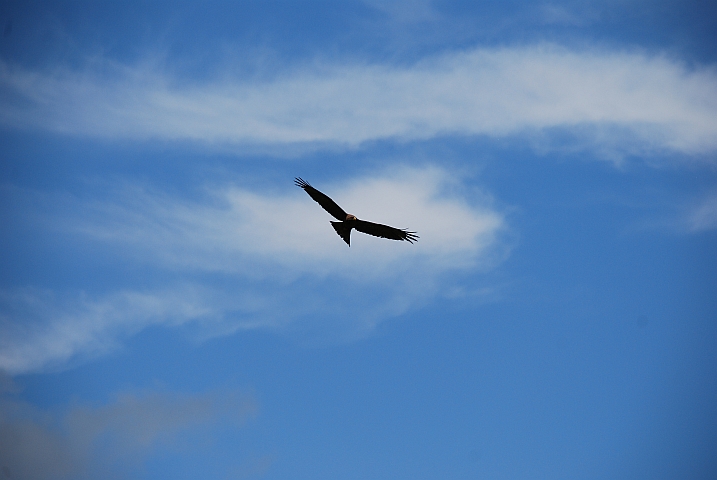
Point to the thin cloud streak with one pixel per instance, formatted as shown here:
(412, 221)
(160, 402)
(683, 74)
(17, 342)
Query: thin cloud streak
(497, 92)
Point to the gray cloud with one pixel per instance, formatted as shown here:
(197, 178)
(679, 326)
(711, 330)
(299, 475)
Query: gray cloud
(88, 441)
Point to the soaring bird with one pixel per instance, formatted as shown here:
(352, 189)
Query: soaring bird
(348, 221)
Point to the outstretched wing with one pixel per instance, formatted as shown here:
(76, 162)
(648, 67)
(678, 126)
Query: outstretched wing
(323, 200)
(384, 231)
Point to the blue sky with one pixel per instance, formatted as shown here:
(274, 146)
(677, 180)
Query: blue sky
(172, 306)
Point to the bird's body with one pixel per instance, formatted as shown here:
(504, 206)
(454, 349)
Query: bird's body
(348, 222)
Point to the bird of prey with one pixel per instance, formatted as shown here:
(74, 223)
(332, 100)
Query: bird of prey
(347, 221)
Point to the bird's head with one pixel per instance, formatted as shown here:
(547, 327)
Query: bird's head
(350, 217)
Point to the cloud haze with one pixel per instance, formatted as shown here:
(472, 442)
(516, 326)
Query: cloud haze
(555, 319)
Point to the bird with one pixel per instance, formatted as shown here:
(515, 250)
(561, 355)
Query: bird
(347, 221)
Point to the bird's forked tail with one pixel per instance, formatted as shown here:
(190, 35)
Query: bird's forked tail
(343, 230)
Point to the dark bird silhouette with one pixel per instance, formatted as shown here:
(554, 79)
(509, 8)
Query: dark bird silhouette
(348, 221)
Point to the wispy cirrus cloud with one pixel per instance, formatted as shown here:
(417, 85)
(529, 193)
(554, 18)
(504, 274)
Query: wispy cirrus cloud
(659, 103)
(45, 329)
(703, 216)
(242, 259)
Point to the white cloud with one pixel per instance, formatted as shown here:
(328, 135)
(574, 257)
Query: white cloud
(279, 263)
(291, 231)
(506, 91)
